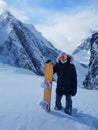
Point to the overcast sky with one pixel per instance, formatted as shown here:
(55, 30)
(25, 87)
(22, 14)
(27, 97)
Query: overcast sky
(63, 22)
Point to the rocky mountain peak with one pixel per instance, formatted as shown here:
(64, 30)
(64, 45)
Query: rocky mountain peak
(6, 16)
(91, 79)
(21, 45)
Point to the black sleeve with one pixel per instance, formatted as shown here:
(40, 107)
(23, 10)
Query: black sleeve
(74, 80)
(55, 69)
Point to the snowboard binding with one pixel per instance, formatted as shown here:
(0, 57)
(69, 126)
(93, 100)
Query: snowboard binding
(45, 106)
(46, 84)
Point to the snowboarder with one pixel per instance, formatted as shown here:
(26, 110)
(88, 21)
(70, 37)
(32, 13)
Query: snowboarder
(66, 82)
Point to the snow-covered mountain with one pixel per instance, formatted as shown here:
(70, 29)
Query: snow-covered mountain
(87, 54)
(82, 52)
(91, 80)
(82, 58)
(21, 45)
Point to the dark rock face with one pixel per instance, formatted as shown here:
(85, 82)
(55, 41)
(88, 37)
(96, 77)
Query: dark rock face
(91, 80)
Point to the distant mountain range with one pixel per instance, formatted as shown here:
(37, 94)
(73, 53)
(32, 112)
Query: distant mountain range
(21, 45)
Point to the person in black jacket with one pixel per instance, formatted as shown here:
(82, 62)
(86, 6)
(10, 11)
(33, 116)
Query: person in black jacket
(66, 82)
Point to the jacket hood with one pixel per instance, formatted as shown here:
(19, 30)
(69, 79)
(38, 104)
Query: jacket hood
(69, 59)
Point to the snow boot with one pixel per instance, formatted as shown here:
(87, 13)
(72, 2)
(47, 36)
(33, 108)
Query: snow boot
(68, 111)
(68, 108)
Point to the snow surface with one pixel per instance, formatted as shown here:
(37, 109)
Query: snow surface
(20, 94)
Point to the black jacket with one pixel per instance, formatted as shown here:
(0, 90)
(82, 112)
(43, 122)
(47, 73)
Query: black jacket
(67, 78)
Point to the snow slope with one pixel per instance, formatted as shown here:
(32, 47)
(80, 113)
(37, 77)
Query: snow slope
(20, 94)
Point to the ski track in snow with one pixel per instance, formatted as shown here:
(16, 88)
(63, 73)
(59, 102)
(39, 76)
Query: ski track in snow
(20, 94)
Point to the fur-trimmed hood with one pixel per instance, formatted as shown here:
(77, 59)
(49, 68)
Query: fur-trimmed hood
(69, 58)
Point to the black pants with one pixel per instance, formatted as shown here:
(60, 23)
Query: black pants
(68, 103)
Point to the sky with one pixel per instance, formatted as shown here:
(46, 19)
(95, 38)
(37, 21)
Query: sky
(63, 22)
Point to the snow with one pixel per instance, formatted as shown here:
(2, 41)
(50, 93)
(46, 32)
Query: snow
(39, 36)
(4, 33)
(20, 94)
(5, 27)
(81, 72)
(83, 56)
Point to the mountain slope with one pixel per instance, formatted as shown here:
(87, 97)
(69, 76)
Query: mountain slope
(20, 94)
(82, 52)
(23, 46)
(91, 80)
(87, 54)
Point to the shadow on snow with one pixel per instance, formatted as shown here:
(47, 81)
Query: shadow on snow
(80, 117)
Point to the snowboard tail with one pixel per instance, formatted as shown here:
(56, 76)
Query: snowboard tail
(45, 106)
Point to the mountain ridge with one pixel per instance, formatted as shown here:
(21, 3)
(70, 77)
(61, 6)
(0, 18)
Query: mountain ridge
(23, 46)
(87, 54)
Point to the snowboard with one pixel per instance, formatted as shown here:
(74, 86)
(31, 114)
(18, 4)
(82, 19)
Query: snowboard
(47, 85)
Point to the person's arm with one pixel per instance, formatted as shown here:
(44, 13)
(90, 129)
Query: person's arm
(74, 80)
(54, 69)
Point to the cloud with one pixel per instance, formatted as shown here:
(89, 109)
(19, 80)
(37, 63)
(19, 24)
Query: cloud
(3, 6)
(20, 14)
(65, 25)
(67, 30)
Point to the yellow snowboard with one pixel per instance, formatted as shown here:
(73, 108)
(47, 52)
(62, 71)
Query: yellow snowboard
(48, 75)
